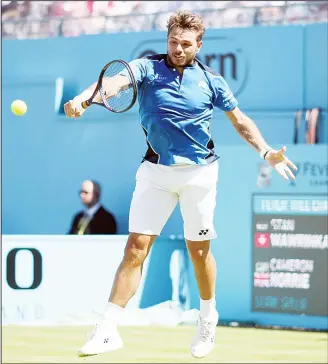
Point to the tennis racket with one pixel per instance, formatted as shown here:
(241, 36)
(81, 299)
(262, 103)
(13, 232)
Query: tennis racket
(116, 89)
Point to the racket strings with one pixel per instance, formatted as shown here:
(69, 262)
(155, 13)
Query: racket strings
(125, 97)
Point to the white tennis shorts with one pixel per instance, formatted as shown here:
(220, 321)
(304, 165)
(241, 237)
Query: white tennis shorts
(158, 190)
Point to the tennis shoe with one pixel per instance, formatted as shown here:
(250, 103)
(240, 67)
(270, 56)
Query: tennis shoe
(204, 340)
(103, 338)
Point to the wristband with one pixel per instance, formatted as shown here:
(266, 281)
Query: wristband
(264, 152)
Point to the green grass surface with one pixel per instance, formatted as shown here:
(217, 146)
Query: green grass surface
(21, 344)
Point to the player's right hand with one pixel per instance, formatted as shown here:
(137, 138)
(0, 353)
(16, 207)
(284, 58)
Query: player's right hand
(73, 108)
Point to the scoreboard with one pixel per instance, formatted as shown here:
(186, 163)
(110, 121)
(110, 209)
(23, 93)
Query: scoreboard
(290, 253)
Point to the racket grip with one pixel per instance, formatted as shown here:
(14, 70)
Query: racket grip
(85, 104)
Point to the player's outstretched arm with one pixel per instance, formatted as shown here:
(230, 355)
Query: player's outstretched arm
(248, 130)
(111, 87)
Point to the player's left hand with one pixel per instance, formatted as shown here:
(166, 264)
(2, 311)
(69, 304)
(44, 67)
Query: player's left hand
(277, 160)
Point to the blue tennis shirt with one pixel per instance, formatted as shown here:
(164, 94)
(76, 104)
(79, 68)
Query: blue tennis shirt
(175, 110)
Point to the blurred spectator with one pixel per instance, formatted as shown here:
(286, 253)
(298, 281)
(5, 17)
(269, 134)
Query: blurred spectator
(95, 219)
(9, 10)
(270, 15)
(15, 9)
(40, 19)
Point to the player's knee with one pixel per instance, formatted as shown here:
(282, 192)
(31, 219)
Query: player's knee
(198, 251)
(136, 250)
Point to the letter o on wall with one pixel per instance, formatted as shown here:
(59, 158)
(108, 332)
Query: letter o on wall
(11, 268)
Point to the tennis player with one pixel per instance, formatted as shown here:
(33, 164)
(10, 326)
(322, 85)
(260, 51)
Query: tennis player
(176, 96)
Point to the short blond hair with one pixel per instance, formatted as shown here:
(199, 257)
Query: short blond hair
(185, 19)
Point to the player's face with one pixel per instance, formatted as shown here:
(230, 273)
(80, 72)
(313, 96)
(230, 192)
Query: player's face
(86, 193)
(182, 46)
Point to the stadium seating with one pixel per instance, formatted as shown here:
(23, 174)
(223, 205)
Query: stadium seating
(42, 19)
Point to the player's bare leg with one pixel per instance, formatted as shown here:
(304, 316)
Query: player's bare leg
(105, 336)
(204, 267)
(128, 275)
(205, 273)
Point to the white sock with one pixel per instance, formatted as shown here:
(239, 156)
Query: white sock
(208, 308)
(113, 313)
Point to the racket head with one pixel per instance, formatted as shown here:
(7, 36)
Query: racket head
(124, 99)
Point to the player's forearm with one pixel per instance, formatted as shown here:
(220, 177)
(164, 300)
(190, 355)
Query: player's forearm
(111, 86)
(87, 93)
(248, 130)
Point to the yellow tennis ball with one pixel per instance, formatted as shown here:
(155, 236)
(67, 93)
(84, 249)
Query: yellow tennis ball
(18, 107)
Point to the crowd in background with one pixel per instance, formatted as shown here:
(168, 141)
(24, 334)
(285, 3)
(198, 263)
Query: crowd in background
(37, 19)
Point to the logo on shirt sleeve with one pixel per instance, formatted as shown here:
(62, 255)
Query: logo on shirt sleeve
(227, 94)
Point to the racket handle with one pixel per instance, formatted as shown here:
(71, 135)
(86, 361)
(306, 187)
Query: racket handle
(85, 104)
